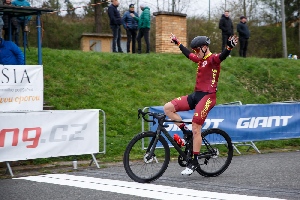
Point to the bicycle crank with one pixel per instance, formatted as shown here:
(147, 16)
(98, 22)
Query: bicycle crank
(181, 161)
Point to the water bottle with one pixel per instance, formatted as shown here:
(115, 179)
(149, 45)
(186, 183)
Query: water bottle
(75, 164)
(180, 142)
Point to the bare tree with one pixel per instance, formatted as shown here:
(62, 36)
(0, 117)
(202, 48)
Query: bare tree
(99, 5)
(98, 12)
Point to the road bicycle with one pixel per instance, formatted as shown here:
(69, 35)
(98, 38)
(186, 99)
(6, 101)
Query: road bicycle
(147, 155)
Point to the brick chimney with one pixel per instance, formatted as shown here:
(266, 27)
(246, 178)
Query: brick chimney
(167, 23)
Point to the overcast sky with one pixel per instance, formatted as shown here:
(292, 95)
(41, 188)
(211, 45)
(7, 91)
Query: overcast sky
(189, 7)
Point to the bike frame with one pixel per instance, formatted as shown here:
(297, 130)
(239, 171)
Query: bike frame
(161, 129)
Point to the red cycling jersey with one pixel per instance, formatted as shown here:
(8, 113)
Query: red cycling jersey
(207, 72)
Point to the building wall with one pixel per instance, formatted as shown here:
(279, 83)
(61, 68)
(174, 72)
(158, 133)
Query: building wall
(99, 42)
(167, 23)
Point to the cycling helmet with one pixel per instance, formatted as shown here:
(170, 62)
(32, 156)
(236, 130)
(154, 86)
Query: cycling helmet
(199, 41)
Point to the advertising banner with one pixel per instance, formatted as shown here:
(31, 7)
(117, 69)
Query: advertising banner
(245, 123)
(21, 87)
(45, 134)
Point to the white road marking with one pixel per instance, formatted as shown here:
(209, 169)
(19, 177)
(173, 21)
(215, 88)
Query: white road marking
(137, 189)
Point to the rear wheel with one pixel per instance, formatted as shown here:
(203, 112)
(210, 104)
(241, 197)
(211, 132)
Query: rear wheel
(216, 152)
(139, 164)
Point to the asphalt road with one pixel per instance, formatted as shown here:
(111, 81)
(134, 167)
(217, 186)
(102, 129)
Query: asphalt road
(273, 175)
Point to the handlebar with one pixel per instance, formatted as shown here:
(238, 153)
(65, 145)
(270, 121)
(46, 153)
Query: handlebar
(155, 115)
(159, 116)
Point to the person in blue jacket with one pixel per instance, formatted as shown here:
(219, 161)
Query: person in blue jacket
(10, 53)
(131, 27)
(22, 21)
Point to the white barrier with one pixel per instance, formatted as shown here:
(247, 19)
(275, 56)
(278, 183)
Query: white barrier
(21, 87)
(44, 134)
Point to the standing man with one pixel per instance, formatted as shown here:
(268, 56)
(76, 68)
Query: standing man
(22, 21)
(131, 26)
(115, 23)
(144, 27)
(244, 35)
(225, 24)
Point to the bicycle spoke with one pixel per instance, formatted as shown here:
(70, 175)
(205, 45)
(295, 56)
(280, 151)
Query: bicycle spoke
(216, 153)
(140, 165)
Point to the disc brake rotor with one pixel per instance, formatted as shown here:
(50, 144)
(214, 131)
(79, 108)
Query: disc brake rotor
(216, 153)
(146, 160)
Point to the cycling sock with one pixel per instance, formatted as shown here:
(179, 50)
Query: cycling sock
(184, 128)
(195, 156)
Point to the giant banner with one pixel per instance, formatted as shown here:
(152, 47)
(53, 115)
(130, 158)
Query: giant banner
(46, 134)
(21, 87)
(246, 123)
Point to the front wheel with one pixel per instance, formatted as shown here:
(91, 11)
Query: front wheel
(216, 152)
(139, 164)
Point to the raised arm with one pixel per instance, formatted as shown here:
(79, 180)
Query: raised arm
(231, 43)
(184, 50)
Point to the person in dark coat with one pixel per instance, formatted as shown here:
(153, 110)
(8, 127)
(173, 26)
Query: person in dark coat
(115, 23)
(244, 35)
(131, 27)
(13, 23)
(225, 24)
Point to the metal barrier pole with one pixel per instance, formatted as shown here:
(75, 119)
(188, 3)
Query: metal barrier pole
(250, 145)
(94, 159)
(236, 149)
(9, 169)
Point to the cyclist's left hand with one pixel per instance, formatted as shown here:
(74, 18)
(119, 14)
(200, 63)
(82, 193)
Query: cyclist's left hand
(174, 39)
(232, 41)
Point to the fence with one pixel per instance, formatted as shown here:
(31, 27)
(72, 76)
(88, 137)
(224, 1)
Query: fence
(247, 124)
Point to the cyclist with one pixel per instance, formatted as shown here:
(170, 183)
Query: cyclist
(203, 99)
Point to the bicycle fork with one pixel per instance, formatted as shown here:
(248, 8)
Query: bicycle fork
(151, 148)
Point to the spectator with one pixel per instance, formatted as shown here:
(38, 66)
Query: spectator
(131, 26)
(244, 35)
(22, 21)
(144, 27)
(14, 23)
(10, 53)
(1, 21)
(225, 24)
(115, 22)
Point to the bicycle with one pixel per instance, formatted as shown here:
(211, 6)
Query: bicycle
(145, 165)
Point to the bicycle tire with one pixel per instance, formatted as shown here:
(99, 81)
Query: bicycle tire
(215, 165)
(136, 164)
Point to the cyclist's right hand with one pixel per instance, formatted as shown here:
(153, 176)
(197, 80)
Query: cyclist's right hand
(174, 39)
